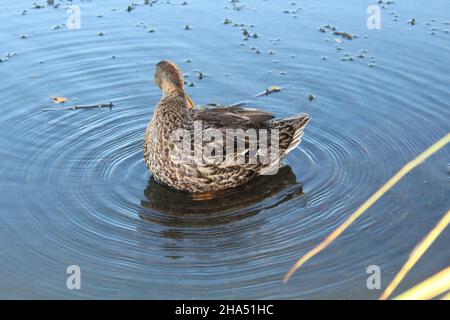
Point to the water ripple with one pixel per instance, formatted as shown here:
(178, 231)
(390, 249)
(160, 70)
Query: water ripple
(75, 189)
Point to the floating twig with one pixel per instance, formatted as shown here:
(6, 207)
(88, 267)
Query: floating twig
(268, 91)
(76, 107)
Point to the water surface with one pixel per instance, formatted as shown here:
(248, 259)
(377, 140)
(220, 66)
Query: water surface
(74, 188)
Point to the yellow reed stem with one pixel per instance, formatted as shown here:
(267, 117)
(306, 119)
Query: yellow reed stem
(416, 254)
(368, 203)
(446, 297)
(430, 288)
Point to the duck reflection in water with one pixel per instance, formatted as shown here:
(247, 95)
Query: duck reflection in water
(173, 208)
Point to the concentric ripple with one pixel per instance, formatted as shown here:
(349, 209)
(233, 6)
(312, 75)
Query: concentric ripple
(74, 188)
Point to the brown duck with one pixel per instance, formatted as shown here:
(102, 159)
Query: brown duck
(176, 111)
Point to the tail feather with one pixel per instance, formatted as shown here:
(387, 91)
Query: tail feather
(290, 131)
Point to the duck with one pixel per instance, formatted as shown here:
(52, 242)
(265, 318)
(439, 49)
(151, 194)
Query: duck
(175, 143)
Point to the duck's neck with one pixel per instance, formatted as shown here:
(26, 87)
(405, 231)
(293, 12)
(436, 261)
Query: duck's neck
(178, 93)
(170, 90)
(173, 109)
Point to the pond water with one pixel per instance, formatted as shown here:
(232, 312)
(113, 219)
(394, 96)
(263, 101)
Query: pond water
(74, 189)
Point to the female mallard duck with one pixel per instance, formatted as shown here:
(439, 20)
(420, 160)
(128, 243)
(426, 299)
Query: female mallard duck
(175, 111)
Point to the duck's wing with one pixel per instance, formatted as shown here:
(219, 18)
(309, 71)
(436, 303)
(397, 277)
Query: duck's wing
(234, 117)
(231, 117)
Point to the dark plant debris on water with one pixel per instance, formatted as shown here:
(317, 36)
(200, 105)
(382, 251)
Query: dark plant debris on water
(250, 39)
(77, 107)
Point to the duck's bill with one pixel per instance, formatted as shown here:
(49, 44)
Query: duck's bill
(189, 102)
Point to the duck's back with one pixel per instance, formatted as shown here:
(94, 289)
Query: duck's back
(203, 175)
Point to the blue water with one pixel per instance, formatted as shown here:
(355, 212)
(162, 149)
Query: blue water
(74, 189)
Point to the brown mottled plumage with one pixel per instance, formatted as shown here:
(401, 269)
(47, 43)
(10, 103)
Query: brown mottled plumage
(175, 111)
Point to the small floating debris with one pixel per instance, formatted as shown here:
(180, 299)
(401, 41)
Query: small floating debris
(100, 34)
(188, 60)
(347, 57)
(130, 7)
(311, 97)
(275, 41)
(412, 22)
(344, 35)
(76, 107)
(8, 56)
(329, 26)
(334, 30)
(200, 75)
(269, 90)
(246, 34)
(236, 6)
(23, 36)
(38, 6)
(58, 100)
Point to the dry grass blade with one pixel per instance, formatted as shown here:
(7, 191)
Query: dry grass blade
(368, 203)
(430, 288)
(416, 254)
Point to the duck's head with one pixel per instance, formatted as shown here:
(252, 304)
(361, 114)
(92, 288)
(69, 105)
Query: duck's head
(168, 77)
